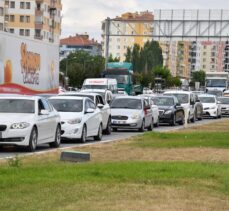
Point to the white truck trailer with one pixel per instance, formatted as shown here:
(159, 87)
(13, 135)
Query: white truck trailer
(217, 81)
(28, 66)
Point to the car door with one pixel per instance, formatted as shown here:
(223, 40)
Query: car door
(90, 118)
(148, 112)
(105, 111)
(42, 123)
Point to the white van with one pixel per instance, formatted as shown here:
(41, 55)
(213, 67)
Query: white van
(101, 83)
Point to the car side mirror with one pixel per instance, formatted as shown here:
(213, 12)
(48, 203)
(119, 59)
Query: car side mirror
(44, 112)
(89, 110)
(178, 104)
(100, 106)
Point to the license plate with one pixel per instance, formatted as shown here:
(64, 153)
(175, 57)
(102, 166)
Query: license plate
(119, 122)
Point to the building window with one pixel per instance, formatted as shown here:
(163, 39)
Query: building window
(7, 18)
(204, 66)
(27, 19)
(22, 5)
(21, 18)
(11, 18)
(27, 32)
(1, 11)
(118, 46)
(12, 4)
(11, 30)
(21, 32)
(27, 5)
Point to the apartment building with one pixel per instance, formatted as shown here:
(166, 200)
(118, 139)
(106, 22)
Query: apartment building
(36, 19)
(130, 24)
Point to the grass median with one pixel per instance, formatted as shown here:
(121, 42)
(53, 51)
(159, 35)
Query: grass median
(183, 170)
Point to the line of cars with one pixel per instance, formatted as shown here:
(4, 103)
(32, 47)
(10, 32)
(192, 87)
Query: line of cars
(33, 120)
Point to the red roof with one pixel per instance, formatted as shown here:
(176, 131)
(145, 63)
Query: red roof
(78, 40)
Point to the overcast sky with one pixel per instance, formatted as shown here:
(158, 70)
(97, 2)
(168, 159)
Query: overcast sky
(80, 16)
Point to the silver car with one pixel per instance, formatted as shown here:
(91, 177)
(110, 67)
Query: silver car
(129, 112)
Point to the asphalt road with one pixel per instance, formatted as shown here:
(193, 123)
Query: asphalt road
(9, 152)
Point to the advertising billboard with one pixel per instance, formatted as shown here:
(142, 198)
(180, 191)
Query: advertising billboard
(28, 66)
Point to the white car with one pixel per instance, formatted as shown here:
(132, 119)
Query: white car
(80, 118)
(147, 90)
(224, 101)
(187, 101)
(211, 107)
(28, 121)
(99, 102)
(129, 112)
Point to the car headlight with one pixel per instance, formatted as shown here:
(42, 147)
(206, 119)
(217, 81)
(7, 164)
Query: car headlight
(214, 107)
(20, 125)
(168, 112)
(74, 121)
(135, 116)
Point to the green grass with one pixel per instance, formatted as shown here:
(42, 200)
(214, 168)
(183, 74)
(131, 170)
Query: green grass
(183, 140)
(45, 186)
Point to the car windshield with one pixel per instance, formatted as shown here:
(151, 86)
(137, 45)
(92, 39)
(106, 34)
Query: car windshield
(17, 106)
(163, 101)
(216, 82)
(94, 87)
(207, 99)
(182, 98)
(215, 92)
(127, 103)
(224, 100)
(67, 105)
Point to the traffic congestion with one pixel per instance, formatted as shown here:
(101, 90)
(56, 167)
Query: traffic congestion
(97, 111)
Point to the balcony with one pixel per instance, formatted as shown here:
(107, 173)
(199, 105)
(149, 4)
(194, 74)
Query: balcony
(39, 12)
(38, 25)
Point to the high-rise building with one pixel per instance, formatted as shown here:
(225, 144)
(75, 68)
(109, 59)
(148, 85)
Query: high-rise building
(131, 24)
(36, 19)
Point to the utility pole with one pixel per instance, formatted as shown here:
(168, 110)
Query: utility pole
(107, 34)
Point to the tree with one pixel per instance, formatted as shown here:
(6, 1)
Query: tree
(81, 65)
(198, 76)
(111, 59)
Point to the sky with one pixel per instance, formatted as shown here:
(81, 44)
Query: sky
(80, 16)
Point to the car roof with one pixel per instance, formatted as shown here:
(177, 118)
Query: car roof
(67, 97)
(93, 90)
(177, 92)
(24, 97)
(206, 95)
(78, 93)
(129, 97)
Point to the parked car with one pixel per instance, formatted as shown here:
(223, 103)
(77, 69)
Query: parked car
(129, 112)
(198, 107)
(186, 99)
(170, 110)
(147, 90)
(224, 101)
(80, 118)
(28, 121)
(211, 106)
(99, 102)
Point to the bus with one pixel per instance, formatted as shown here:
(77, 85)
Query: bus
(123, 73)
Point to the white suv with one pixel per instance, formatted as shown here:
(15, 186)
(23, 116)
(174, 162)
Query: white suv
(187, 101)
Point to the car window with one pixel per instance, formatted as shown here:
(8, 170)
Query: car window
(92, 105)
(100, 100)
(87, 105)
(126, 103)
(46, 105)
(40, 106)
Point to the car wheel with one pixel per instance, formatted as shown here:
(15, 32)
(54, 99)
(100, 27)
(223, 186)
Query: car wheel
(83, 138)
(56, 143)
(193, 118)
(150, 128)
(108, 128)
(142, 128)
(173, 122)
(33, 140)
(114, 129)
(99, 136)
(182, 121)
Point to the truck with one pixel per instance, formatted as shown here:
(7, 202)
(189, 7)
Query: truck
(28, 66)
(216, 81)
(123, 73)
